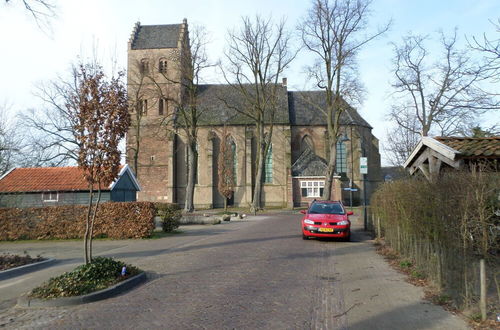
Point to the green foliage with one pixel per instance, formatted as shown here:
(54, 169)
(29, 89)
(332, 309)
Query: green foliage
(476, 317)
(170, 215)
(441, 299)
(405, 264)
(99, 274)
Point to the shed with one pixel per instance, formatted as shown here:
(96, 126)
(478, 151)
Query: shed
(431, 155)
(49, 186)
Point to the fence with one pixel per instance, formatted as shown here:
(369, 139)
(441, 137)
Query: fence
(449, 229)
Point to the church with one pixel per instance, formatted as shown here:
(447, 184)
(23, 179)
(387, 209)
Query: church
(295, 165)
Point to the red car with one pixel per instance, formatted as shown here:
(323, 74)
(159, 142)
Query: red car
(326, 219)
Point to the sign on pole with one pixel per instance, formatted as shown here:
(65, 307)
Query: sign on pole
(363, 165)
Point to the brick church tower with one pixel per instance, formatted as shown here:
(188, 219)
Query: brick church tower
(155, 55)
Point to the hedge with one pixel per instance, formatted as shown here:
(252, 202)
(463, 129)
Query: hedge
(445, 228)
(114, 220)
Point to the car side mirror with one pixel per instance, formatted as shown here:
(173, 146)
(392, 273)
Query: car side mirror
(303, 211)
(350, 212)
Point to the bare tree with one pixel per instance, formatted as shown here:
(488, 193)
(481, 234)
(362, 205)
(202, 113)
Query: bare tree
(99, 113)
(490, 49)
(193, 62)
(257, 54)
(41, 10)
(334, 32)
(442, 95)
(144, 96)
(10, 141)
(401, 141)
(51, 139)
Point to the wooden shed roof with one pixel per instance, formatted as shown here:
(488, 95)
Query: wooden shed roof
(473, 147)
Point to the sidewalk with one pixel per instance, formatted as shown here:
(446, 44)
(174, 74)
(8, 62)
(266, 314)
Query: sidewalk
(378, 297)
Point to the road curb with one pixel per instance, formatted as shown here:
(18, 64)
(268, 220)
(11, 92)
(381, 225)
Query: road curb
(21, 270)
(25, 301)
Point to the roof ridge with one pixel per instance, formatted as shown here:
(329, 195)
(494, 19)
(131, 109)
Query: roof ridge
(467, 138)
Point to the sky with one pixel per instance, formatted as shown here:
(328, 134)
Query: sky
(31, 54)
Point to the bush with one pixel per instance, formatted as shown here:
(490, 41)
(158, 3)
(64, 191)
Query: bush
(97, 275)
(170, 215)
(114, 220)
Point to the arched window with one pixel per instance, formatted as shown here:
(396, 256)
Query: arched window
(306, 143)
(268, 166)
(144, 66)
(162, 65)
(235, 158)
(341, 166)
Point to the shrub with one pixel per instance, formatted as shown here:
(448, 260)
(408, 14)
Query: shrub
(99, 274)
(444, 228)
(114, 220)
(170, 215)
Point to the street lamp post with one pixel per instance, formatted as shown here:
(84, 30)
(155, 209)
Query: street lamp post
(352, 169)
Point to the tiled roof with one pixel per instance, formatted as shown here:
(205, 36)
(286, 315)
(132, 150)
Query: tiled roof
(309, 164)
(217, 102)
(156, 36)
(303, 108)
(473, 147)
(44, 179)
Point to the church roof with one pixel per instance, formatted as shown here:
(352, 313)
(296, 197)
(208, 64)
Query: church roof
(309, 164)
(156, 36)
(217, 104)
(303, 108)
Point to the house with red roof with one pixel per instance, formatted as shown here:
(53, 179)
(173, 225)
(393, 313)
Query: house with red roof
(49, 186)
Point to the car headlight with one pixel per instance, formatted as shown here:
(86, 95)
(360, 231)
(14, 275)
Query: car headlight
(343, 223)
(309, 222)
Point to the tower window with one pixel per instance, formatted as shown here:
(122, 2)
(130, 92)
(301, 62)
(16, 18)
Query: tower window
(162, 66)
(144, 66)
(162, 106)
(142, 106)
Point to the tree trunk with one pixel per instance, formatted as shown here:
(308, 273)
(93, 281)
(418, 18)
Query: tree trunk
(91, 233)
(330, 171)
(192, 158)
(87, 228)
(261, 154)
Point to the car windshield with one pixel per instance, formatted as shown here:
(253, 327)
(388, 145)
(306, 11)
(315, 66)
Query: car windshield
(326, 208)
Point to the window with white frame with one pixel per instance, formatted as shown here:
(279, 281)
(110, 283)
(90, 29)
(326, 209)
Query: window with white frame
(50, 196)
(312, 188)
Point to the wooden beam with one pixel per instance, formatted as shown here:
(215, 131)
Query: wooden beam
(425, 170)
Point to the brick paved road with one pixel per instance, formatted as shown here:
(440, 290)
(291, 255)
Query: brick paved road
(257, 274)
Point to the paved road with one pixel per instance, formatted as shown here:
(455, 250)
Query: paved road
(255, 274)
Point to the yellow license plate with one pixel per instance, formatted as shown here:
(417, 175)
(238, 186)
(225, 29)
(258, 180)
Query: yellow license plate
(326, 230)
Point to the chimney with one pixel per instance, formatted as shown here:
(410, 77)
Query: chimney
(284, 82)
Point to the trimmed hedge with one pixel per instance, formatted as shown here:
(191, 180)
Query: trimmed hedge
(114, 220)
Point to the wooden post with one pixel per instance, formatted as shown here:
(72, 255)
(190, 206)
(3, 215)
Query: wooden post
(482, 302)
(379, 229)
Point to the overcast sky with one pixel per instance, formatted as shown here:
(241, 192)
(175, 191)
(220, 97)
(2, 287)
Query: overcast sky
(30, 55)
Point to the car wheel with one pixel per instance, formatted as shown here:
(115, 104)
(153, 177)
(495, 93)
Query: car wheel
(304, 237)
(348, 238)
